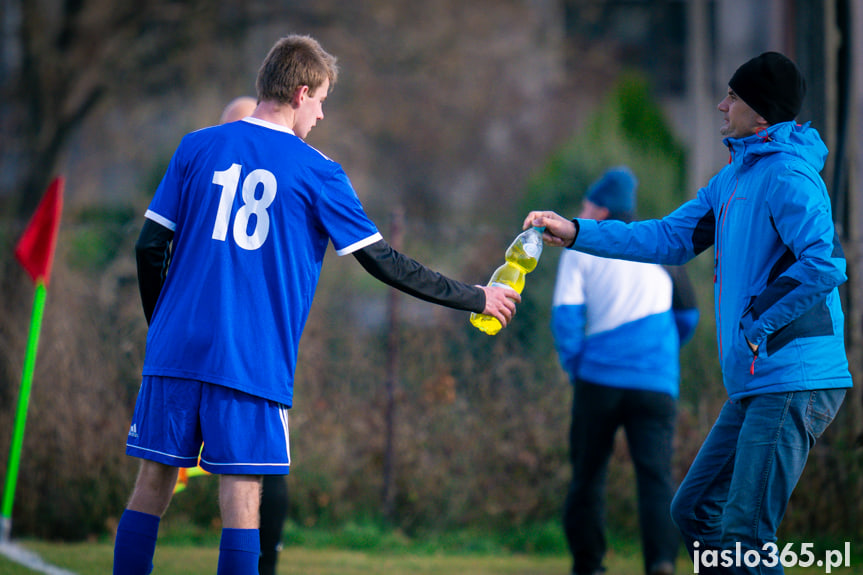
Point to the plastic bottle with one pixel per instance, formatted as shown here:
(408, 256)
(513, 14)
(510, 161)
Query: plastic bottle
(521, 258)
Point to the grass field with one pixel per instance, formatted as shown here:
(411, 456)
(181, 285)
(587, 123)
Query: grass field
(368, 550)
(96, 558)
(86, 559)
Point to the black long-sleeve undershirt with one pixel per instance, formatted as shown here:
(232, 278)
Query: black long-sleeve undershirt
(413, 278)
(153, 255)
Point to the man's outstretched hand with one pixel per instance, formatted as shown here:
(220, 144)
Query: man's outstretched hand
(559, 231)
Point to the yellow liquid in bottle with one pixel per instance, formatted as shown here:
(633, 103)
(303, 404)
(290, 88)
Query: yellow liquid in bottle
(518, 255)
(522, 256)
(509, 275)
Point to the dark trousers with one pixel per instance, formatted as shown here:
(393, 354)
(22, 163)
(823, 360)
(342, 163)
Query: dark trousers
(274, 509)
(648, 420)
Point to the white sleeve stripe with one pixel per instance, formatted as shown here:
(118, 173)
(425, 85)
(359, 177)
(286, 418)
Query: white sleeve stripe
(360, 244)
(161, 220)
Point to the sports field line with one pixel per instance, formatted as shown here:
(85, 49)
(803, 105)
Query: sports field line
(30, 560)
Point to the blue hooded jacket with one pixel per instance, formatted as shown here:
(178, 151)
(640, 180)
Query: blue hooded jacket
(777, 261)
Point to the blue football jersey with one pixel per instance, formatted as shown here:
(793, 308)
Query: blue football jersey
(253, 208)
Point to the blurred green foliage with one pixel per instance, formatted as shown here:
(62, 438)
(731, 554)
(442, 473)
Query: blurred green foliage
(628, 129)
(98, 234)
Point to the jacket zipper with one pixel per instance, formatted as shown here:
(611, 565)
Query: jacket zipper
(720, 245)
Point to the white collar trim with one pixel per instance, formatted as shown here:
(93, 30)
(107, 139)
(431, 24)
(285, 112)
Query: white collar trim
(266, 124)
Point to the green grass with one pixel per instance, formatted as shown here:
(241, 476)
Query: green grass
(87, 558)
(367, 549)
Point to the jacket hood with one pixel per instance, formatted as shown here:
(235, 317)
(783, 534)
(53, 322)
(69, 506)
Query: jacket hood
(799, 140)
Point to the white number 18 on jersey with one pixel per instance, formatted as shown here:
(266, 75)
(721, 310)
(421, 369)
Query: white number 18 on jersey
(229, 180)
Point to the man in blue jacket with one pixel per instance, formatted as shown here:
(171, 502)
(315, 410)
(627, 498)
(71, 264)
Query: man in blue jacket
(779, 321)
(618, 327)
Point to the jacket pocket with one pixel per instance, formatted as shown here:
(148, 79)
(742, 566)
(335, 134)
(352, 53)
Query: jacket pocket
(815, 322)
(739, 360)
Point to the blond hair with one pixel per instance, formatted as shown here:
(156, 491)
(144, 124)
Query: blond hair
(294, 61)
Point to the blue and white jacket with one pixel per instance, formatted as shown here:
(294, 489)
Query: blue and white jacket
(777, 261)
(615, 322)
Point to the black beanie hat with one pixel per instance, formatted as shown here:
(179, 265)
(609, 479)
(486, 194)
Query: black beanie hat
(771, 85)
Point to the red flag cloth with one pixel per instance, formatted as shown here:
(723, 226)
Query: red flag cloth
(35, 249)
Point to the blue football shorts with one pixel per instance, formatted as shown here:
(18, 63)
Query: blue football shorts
(241, 434)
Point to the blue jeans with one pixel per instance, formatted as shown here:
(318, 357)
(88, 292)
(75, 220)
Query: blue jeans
(739, 484)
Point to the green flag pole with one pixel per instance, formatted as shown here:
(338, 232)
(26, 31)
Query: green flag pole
(21, 415)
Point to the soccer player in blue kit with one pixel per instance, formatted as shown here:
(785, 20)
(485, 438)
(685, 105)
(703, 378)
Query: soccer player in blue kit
(228, 260)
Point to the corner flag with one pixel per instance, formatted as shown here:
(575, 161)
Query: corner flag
(35, 251)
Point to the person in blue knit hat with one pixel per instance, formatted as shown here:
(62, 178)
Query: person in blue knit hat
(615, 191)
(618, 327)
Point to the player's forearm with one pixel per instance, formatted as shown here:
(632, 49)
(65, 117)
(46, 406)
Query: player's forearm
(413, 278)
(152, 253)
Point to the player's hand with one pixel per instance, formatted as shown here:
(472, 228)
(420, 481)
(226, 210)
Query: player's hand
(500, 302)
(559, 231)
(752, 346)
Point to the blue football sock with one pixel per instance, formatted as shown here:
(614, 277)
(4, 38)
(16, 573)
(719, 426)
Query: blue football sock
(135, 543)
(239, 551)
